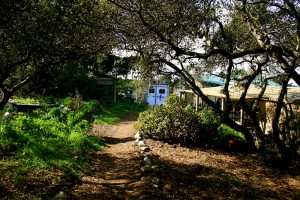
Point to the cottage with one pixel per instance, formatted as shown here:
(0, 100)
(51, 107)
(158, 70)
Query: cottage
(270, 96)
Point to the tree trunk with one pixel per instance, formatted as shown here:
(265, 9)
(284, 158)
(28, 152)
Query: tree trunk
(6, 96)
(275, 124)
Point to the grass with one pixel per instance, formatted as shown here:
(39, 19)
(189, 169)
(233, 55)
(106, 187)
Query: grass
(47, 139)
(41, 143)
(107, 118)
(109, 114)
(128, 105)
(37, 100)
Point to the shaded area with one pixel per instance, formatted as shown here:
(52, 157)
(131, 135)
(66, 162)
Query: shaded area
(112, 140)
(205, 174)
(128, 117)
(115, 173)
(110, 177)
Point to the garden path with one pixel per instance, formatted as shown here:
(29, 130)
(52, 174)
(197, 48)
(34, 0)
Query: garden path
(115, 172)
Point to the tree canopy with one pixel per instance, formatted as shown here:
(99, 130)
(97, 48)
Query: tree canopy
(189, 37)
(39, 35)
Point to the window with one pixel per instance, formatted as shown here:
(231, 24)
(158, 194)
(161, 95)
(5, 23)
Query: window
(151, 90)
(162, 91)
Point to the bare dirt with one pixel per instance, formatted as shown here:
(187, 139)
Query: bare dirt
(184, 173)
(115, 172)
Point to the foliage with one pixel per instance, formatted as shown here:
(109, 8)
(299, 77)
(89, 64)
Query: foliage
(55, 137)
(107, 117)
(225, 133)
(37, 100)
(176, 122)
(127, 104)
(41, 38)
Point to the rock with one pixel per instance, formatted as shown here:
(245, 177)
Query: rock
(60, 196)
(137, 136)
(146, 179)
(147, 169)
(155, 168)
(155, 180)
(137, 140)
(147, 159)
(148, 162)
(145, 149)
(141, 143)
(7, 115)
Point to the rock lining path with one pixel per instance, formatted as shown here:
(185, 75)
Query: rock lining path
(115, 173)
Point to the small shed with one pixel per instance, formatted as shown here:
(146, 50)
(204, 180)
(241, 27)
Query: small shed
(106, 92)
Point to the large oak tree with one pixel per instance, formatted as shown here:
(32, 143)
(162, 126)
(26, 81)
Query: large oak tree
(190, 36)
(36, 36)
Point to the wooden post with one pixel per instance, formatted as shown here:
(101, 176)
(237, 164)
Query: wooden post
(223, 104)
(242, 116)
(197, 102)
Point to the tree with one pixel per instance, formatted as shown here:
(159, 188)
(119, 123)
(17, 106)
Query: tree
(38, 36)
(79, 74)
(195, 36)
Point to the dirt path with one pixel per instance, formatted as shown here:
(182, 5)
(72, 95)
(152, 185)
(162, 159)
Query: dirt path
(115, 172)
(184, 173)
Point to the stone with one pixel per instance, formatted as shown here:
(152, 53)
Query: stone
(7, 115)
(141, 143)
(146, 159)
(148, 162)
(147, 169)
(137, 136)
(145, 149)
(155, 180)
(60, 196)
(155, 168)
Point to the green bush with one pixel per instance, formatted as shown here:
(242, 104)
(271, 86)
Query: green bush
(177, 122)
(225, 133)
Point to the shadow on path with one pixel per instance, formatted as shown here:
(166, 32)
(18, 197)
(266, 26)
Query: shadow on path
(112, 140)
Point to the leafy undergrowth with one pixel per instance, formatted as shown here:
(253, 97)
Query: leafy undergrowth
(128, 105)
(109, 114)
(46, 140)
(37, 100)
(107, 117)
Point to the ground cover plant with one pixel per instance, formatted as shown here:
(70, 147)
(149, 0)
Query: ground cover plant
(128, 104)
(109, 113)
(55, 138)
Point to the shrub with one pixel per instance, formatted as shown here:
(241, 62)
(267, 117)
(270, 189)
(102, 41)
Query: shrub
(177, 122)
(227, 134)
